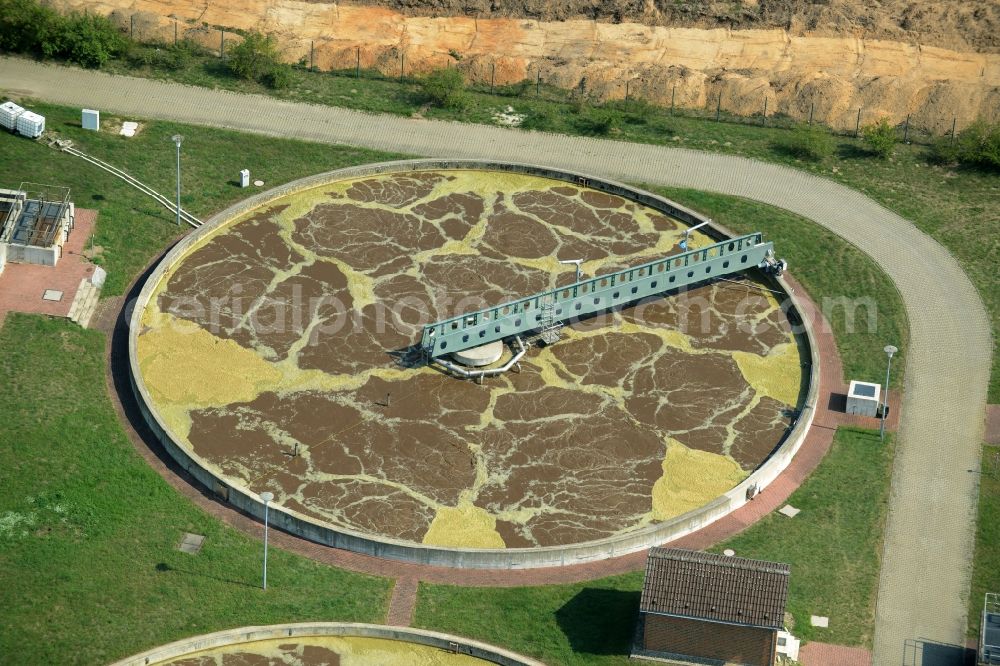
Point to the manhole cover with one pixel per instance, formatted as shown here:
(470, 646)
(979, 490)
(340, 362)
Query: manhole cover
(191, 543)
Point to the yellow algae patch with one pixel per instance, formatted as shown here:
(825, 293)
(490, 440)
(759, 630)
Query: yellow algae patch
(779, 374)
(187, 365)
(690, 479)
(464, 526)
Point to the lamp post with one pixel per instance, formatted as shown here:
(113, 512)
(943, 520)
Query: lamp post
(266, 497)
(889, 350)
(177, 141)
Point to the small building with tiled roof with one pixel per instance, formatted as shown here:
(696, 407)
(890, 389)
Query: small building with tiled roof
(711, 609)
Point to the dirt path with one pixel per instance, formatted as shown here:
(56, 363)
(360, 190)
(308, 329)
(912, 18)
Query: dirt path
(928, 542)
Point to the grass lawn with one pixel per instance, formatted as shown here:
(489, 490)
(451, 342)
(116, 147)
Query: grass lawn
(132, 228)
(956, 206)
(822, 261)
(88, 532)
(833, 547)
(986, 569)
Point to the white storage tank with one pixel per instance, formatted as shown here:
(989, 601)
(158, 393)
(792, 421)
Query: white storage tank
(8, 115)
(30, 124)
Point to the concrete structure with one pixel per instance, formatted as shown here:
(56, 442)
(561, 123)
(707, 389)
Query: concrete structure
(35, 223)
(447, 642)
(507, 558)
(863, 398)
(704, 608)
(480, 356)
(989, 631)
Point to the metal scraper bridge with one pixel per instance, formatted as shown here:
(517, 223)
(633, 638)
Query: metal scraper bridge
(547, 311)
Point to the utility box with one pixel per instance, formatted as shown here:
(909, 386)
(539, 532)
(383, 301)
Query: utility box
(863, 398)
(245, 178)
(91, 120)
(9, 113)
(30, 125)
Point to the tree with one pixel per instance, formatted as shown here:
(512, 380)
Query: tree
(446, 88)
(880, 137)
(978, 144)
(92, 40)
(28, 27)
(254, 57)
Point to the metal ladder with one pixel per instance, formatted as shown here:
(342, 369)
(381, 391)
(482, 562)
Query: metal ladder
(549, 328)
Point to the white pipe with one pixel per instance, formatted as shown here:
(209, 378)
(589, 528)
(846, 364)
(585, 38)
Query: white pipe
(476, 374)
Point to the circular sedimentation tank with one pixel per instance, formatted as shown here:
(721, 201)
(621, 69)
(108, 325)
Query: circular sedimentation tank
(273, 348)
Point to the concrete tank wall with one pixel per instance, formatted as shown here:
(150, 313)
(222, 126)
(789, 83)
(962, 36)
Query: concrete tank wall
(434, 639)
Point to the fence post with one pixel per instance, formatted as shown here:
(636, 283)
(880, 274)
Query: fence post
(493, 75)
(222, 42)
(954, 121)
(626, 92)
(538, 83)
(857, 125)
(175, 32)
(357, 71)
(673, 95)
(718, 108)
(402, 65)
(312, 59)
(763, 121)
(131, 27)
(906, 128)
(812, 105)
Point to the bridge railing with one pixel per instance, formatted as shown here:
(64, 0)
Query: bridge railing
(594, 294)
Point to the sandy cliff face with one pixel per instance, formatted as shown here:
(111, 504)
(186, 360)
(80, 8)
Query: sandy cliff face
(832, 75)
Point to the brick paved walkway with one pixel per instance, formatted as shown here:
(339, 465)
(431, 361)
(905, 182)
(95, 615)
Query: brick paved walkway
(403, 602)
(824, 654)
(22, 285)
(992, 428)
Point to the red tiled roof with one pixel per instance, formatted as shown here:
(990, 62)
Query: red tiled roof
(706, 586)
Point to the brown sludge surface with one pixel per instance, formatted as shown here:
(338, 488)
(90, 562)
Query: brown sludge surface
(272, 352)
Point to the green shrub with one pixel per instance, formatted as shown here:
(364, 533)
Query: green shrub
(596, 122)
(278, 78)
(519, 89)
(634, 111)
(976, 145)
(445, 87)
(173, 58)
(880, 137)
(27, 27)
(810, 142)
(542, 118)
(253, 58)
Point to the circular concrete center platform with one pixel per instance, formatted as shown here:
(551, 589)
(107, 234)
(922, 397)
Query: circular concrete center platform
(274, 349)
(477, 357)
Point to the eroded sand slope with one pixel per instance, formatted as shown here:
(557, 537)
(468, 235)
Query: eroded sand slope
(831, 75)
